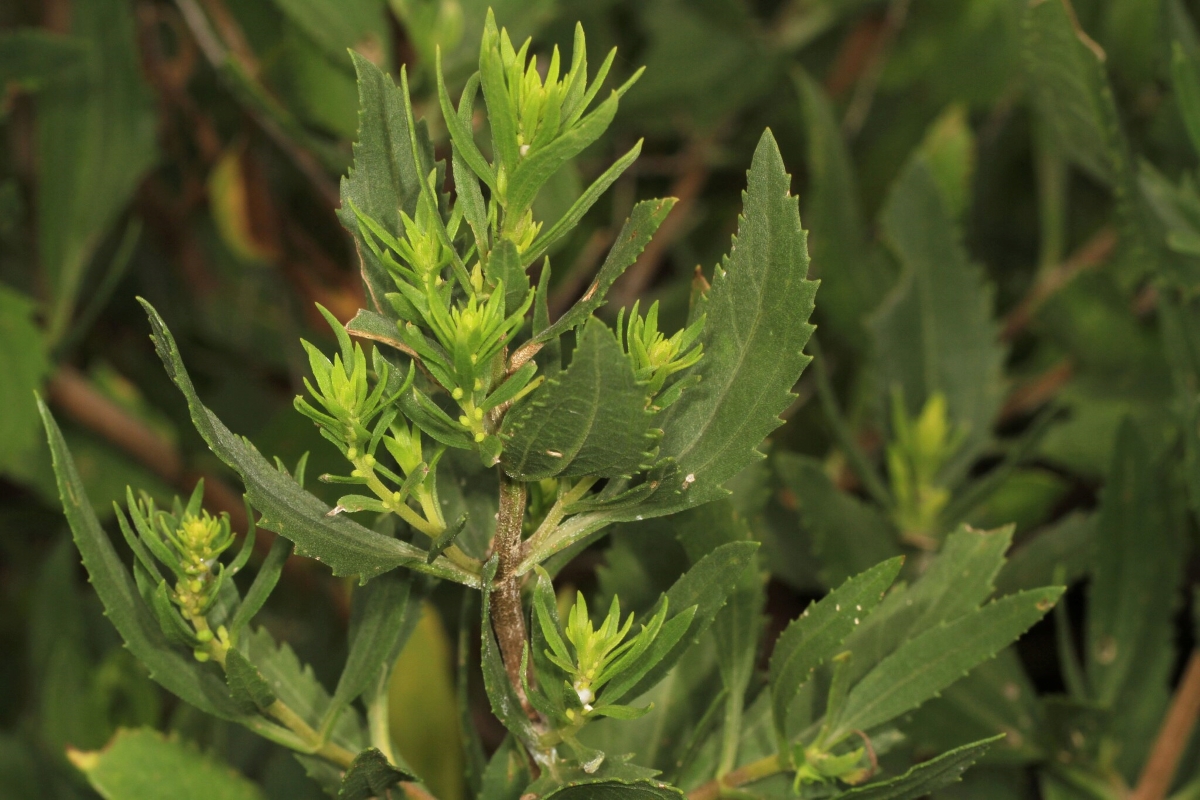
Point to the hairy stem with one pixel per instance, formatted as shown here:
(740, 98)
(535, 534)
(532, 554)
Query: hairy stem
(1159, 771)
(508, 619)
(754, 771)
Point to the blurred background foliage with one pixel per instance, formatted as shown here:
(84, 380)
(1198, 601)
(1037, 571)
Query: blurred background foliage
(189, 152)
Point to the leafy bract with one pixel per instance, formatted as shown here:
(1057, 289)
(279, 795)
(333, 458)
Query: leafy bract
(142, 764)
(591, 419)
(347, 547)
(758, 310)
(926, 664)
(935, 333)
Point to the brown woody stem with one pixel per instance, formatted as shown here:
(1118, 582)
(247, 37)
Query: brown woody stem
(1173, 736)
(508, 619)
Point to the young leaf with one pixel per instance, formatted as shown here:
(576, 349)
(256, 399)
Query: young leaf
(24, 364)
(264, 582)
(176, 670)
(370, 775)
(589, 420)
(816, 635)
(935, 333)
(925, 777)
(753, 341)
(705, 586)
(142, 764)
(347, 547)
(925, 665)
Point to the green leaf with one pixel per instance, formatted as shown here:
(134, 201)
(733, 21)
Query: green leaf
(958, 580)
(33, 57)
(849, 535)
(347, 547)
(925, 665)
(706, 585)
(853, 278)
(591, 419)
(635, 234)
(175, 670)
(817, 634)
(23, 364)
(370, 775)
(1067, 545)
(247, 685)
(377, 630)
(758, 310)
(1138, 555)
(334, 27)
(98, 133)
(297, 687)
(571, 218)
(142, 764)
(504, 264)
(387, 175)
(926, 777)
(616, 790)
(1073, 98)
(935, 332)
(263, 584)
(1185, 80)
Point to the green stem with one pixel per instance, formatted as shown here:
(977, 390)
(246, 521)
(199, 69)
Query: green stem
(432, 529)
(329, 751)
(556, 513)
(754, 771)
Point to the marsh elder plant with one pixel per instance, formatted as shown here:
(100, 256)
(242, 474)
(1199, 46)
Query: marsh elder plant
(455, 384)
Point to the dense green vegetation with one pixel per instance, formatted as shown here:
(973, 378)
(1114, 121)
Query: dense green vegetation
(551, 488)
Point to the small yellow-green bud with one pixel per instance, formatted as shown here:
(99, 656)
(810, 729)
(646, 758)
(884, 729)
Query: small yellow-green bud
(457, 394)
(369, 460)
(201, 655)
(396, 498)
(352, 452)
(479, 413)
(204, 636)
(479, 437)
(195, 585)
(464, 420)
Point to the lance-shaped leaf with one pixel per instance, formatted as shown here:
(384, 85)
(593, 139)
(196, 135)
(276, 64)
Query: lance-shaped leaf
(246, 684)
(853, 277)
(925, 777)
(376, 628)
(815, 636)
(1074, 100)
(634, 236)
(1138, 556)
(347, 547)
(591, 419)
(758, 310)
(925, 665)
(386, 176)
(143, 764)
(935, 333)
(175, 669)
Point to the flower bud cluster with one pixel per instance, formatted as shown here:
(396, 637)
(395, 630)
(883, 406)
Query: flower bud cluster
(655, 357)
